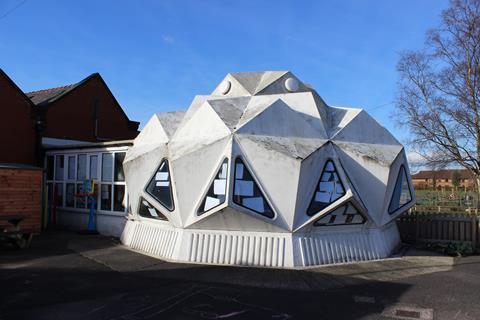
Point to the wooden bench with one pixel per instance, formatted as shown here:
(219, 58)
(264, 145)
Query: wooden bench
(19, 237)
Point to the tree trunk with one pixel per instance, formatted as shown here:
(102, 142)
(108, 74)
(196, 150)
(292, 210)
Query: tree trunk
(477, 181)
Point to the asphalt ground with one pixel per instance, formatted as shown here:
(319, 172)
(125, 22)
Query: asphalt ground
(68, 276)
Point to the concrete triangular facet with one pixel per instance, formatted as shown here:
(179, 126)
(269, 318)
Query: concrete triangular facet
(268, 78)
(249, 80)
(230, 110)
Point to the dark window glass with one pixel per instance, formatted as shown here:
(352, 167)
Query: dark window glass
(82, 167)
(107, 170)
(59, 167)
(106, 197)
(70, 195)
(401, 194)
(148, 211)
(217, 190)
(118, 196)
(71, 168)
(346, 214)
(50, 194)
(329, 189)
(94, 167)
(80, 201)
(95, 192)
(160, 187)
(50, 163)
(246, 192)
(119, 157)
(59, 194)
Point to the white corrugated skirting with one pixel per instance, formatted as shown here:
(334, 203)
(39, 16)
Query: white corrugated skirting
(347, 247)
(237, 249)
(261, 249)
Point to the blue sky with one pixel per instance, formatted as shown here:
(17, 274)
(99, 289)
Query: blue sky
(156, 55)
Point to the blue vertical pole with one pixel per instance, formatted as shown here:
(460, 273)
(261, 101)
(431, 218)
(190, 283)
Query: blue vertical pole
(91, 217)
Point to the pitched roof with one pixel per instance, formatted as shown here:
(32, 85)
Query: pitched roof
(46, 95)
(442, 174)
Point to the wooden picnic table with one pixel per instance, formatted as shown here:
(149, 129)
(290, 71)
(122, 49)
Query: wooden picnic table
(12, 232)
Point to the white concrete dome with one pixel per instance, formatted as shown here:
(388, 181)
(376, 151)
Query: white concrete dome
(258, 175)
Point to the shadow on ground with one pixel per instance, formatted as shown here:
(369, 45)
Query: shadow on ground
(63, 276)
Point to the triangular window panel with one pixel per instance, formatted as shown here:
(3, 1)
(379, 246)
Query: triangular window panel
(246, 192)
(329, 189)
(217, 191)
(347, 214)
(401, 194)
(160, 186)
(146, 210)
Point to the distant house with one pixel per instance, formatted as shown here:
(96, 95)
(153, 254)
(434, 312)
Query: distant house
(17, 124)
(430, 179)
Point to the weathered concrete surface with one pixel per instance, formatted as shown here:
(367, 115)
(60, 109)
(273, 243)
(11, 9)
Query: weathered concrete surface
(66, 276)
(284, 135)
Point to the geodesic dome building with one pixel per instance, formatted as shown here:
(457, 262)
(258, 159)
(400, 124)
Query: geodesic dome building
(263, 173)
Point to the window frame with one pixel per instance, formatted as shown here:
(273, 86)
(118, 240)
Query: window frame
(212, 181)
(68, 154)
(402, 167)
(142, 197)
(318, 183)
(145, 189)
(258, 186)
(346, 203)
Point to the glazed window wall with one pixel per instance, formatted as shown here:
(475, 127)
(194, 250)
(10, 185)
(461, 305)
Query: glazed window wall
(67, 172)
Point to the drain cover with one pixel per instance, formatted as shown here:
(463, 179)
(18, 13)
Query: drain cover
(408, 312)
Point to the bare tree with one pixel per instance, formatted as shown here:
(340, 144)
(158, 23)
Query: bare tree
(439, 90)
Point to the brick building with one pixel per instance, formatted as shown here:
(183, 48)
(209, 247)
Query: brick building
(84, 112)
(17, 124)
(85, 116)
(431, 179)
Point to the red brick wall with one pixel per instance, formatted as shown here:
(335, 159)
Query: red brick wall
(71, 117)
(17, 128)
(21, 194)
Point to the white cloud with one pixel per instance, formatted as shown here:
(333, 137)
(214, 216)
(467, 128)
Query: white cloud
(415, 158)
(168, 39)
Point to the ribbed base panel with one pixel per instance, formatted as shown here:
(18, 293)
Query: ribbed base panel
(151, 239)
(348, 247)
(237, 249)
(262, 249)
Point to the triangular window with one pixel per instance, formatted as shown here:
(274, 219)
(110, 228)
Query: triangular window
(246, 192)
(160, 186)
(146, 210)
(401, 194)
(329, 189)
(344, 215)
(217, 191)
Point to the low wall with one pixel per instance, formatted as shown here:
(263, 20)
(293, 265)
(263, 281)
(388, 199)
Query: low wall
(21, 194)
(107, 224)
